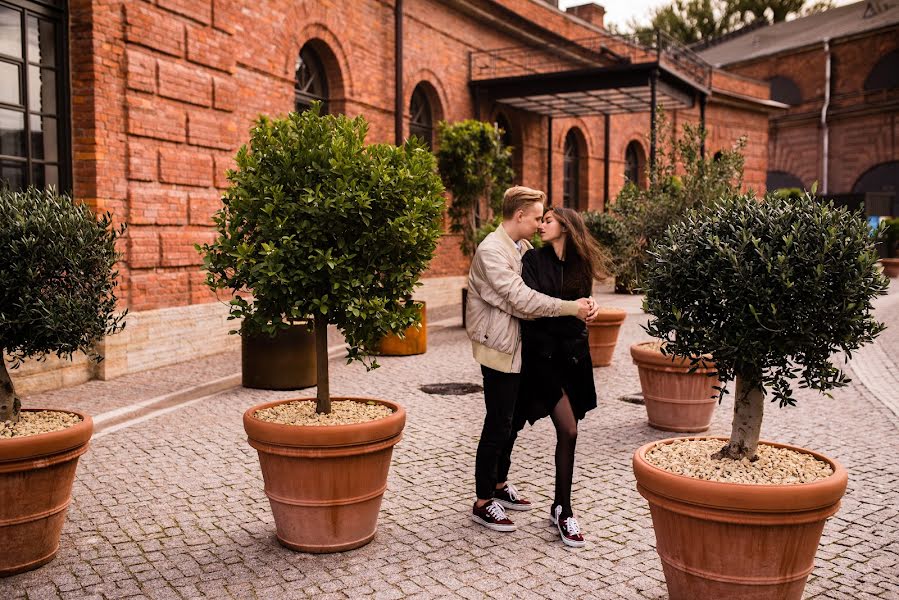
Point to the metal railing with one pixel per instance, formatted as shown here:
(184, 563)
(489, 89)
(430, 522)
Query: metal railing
(600, 51)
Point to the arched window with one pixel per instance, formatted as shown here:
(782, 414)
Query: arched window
(880, 178)
(634, 163)
(571, 178)
(311, 82)
(885, 74)
(784, 89)
(503, 123)
(776, 180)
(421, 122)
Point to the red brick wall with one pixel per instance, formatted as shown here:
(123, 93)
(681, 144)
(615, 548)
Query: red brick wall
(862, 125)
(164, 92)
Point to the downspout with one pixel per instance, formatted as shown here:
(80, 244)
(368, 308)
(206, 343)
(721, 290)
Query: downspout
(398, 74)
(825, 142)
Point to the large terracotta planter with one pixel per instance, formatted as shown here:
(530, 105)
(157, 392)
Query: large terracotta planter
(603, 332)
(890, 266)
(415, 340)
(325, 483)
(36, 475)
(736, 541)
(283, 362)
(675, 399)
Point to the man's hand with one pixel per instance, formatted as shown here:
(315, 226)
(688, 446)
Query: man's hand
(585, 308)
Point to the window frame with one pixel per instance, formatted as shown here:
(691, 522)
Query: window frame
(421, 101)
(57, 13)
(301, 97)
(571, 171)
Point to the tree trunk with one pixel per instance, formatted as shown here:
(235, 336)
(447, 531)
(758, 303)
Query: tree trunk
(749, 406)
(323, 396)
(9, 402)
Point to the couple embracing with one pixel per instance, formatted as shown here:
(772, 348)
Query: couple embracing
(526, 317)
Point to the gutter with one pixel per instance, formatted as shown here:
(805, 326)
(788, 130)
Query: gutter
(825, 139)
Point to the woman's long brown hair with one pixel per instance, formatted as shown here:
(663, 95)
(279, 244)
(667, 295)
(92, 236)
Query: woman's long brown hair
(580, 245)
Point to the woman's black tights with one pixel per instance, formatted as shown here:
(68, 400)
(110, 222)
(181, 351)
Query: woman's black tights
(566, 440)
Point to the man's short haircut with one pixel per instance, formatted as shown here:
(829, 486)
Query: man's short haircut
(518, 198)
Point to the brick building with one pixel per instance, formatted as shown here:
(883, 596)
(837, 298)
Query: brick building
(137, 107)
(839, 73)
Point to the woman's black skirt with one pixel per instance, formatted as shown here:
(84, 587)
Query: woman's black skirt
(547, 372)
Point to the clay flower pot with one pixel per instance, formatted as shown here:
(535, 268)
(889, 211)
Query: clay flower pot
(325, 483)
(414, 342)
(603, 332)
(36, 475)
(736, 541)
(675, 399)
(283, 362)
(890, 266)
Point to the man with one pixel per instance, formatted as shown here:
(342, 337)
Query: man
(497, 299)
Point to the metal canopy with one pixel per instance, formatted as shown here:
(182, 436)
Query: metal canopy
(609, 75)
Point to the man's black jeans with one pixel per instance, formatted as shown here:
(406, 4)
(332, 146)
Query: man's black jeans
(498, 436)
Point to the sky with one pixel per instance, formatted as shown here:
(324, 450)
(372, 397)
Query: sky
(620, 12)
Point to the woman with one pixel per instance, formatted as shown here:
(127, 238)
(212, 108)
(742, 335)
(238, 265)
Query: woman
(557, 376)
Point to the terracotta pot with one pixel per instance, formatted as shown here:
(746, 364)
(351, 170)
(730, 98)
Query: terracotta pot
(325, 483)
(675, 399)
(736, 541)
(36, 475)
(414, 342)
(890, 266)
(603, 333)
(283, 362)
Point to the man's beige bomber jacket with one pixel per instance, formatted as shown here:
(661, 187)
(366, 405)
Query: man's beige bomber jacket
(498, 297)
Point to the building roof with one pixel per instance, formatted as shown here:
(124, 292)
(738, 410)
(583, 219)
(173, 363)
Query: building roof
(828, 25)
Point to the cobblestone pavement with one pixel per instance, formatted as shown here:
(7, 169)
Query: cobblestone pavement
(172, 506)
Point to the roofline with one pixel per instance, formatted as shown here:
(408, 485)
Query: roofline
(744, 101)
(811, 46)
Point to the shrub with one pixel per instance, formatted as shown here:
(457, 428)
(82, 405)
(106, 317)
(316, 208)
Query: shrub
(474, 166)
(682, 179)
(771, 290)
(318, 225)
(57, 265)
(890, 236)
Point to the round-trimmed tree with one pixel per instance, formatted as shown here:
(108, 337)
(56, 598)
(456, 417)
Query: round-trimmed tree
(771, 289)
(57, 281)
(318, 225)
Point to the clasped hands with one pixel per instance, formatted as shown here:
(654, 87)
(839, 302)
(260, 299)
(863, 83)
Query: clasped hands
(587, 309)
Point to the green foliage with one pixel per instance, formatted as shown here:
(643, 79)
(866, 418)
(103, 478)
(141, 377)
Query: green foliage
(771, 289)
(682, 179)
(890, 235)
(318, 223)
(690, 21)
(788, 193)
(57, 265)
(474, 165)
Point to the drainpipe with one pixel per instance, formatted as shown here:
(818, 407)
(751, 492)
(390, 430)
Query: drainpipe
(825, 142)
(398, 57)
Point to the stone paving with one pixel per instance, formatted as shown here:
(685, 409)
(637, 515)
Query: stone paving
(172, 506)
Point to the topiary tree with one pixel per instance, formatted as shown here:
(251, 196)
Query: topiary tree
(771, 290)
(57, 268)
(474, 165)
(317, 225)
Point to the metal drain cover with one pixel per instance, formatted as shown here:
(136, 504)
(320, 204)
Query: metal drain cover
(451, 389)
(636, 398)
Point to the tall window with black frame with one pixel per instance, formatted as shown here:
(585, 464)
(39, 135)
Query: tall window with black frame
(311, 82)
(34, 146)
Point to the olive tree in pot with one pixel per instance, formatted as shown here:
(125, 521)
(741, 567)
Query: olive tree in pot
(771, 289)
(320, 225)
(57, 267)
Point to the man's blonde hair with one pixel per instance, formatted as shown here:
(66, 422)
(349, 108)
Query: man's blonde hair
(518, 198)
